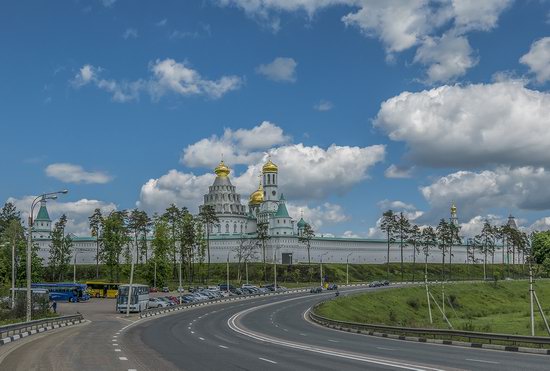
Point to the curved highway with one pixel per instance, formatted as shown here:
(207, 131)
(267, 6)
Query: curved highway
(271, 333)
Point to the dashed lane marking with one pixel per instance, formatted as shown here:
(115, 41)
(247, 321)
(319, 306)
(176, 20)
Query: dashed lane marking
(267, 360)
(123, 358)
(118, 350)
(222, 346)
(384, 348)
(482, 361)
(192, 332)
(201, 338)
(333, 341)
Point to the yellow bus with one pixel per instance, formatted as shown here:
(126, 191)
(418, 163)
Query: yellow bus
(100, 289)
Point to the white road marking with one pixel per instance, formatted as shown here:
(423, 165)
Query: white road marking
(384, 348)
(118, 350)
(115, 336)
(201, 338)
(231, 322)
(222, 346)
(189, 328)
(267, 360)
(301, 333)
(132, 369)
(333, 341)
(123, 358)
(285, 329)
(482, 361)
(192, 332)
(115, 344)
(114, 340)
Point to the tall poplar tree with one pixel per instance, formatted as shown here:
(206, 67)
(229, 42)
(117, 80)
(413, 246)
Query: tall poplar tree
(95, 222)
(208, 218)
(388, 226)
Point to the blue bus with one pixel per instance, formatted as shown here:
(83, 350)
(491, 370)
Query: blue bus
(71, 292)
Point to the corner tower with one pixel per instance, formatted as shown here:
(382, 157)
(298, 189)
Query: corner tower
(42, 228)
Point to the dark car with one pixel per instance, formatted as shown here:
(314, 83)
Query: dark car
(165, 289)
(223, 287)
(386, 283)
(332, 286)
(316, 290)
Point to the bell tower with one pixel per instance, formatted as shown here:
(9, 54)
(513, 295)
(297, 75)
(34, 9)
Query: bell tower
(270, 173)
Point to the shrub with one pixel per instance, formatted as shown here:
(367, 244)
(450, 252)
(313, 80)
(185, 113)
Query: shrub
(414, 303)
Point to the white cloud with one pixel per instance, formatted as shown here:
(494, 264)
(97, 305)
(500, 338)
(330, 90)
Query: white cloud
(161, 23)
(281, 69)
(318, 216)
(77, 212)
(378, 19)
(400, 25)
(182, 189)
(448, 57)
(234, 146)
(130, 33)
(168, 77)
(474, 193)
(350, 234)
(398, 172)
(324, 105)
(478, 15)
(305, 172)
(108, 3)
(395, 205)
(538, 59)
(542, 224)
(470, 126)
(70, 173)
(474, 225)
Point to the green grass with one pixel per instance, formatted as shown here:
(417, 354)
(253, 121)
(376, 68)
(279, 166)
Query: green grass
(486, 307)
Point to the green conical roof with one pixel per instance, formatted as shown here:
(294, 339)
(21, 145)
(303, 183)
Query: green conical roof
(43, 214)
(282, 212)
(301, 223)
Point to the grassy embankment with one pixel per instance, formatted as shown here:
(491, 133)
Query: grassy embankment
(488, 307)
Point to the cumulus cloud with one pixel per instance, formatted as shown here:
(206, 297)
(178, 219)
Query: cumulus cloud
(305, 172)
(70, 173)
(318, 216)
(235, 146)
(398, 172)
(77, 212)
(130, 33)
(421, 22)
(181, 189)
(447, 57)
(395, 205)
(476, 192)
(323, 105)
(470, 126)
(538, 59)
(281, 70)
(168, 77)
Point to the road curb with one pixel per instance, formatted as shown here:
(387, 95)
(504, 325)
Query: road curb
(12, 338)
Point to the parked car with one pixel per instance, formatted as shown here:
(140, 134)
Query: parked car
(156, 303)
(316, 290)
(248, 286)
(153, 289)
(332, 286)
(223, 287)
(386, 283)
(165, 289)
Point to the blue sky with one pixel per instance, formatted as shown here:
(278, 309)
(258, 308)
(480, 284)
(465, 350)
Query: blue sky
(129, 103)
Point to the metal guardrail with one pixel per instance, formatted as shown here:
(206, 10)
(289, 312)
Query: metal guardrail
(22, 328)
(425, 333)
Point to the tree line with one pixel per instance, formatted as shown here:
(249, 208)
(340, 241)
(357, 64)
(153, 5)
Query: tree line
(399, 230)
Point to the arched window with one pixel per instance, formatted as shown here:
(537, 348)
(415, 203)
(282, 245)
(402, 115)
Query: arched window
(241, 228)
(227, 228)
(219, 228)
(235, 228)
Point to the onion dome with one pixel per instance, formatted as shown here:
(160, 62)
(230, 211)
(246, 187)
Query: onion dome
(302, 223)
(453, 208)
(257, 197)
(222, 170)
(270, 167)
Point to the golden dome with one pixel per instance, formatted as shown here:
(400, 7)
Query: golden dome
(270, 167)
(453, 208)
(222, 170)
(257, 197)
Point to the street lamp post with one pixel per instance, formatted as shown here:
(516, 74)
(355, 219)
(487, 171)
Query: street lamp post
(275, 268)
(347, 268)
(228, 274)
(321, 272)
(75, 253)
(42, 197)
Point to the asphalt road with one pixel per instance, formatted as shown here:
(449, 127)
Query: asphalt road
(272, 334)
(269, 333)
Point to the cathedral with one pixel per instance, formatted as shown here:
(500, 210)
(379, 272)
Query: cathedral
(266, 206)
